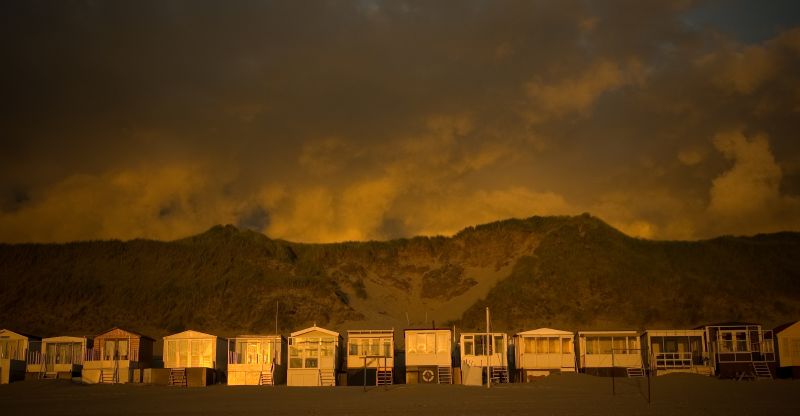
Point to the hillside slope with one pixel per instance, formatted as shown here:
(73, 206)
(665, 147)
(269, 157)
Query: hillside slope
(570, 272)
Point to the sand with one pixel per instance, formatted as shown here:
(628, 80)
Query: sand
(567, 394)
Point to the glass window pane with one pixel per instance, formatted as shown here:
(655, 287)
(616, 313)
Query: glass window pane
(553, 346)
(566, 346)
(311, 363)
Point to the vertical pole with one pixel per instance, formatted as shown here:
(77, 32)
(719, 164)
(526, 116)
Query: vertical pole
(276, 318)
(613, 375)
(365, 372)
(488, 356)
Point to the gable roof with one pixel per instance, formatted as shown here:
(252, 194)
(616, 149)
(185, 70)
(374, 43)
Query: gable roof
(189, 333)
(125, 330)
(33, 337)
(545, 331)
(733, 323)
(315, 328)
(781, 328)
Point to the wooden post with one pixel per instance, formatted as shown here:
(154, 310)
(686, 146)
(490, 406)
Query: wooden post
(488, 356)
(613, 375)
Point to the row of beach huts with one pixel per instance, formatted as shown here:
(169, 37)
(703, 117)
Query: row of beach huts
(317, 356)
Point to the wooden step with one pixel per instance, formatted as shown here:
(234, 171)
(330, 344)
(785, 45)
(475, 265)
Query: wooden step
(107, 376)
(499, 374)
(384, 377)
(177, 377)
(761, 371)
(635, 372)
(265, 379)
(327, 378)
(445, 375)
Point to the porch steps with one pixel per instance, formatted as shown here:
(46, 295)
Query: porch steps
(384, 376)
(761, 371)
(445, 375)
(265, 379)
(635, 371)
(499, 374)
(107, 376)
(177, 377)
(327, 378)
(48, 375)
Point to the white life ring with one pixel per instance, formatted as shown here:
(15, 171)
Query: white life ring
(428, 375)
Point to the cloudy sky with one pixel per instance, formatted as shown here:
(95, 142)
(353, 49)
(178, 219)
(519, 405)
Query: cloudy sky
(323, 121)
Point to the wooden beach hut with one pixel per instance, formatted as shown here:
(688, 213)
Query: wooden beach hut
(118, 356)
(14, 349)
(787, 338)
(542, 351)
(195, 358)
(58, 357)
(606, 353)
(676, 351)
(484, 353)
(256, 360)
(313, 357)
(429, 356)
(740, 350)
(370, 357)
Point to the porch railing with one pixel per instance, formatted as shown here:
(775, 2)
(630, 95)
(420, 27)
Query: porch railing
(101, 355)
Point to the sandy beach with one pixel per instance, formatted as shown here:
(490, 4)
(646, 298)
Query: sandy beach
(567, 394)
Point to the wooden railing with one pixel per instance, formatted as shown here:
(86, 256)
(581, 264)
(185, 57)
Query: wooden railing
(100, 355)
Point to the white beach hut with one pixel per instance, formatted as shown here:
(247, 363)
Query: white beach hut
(313, 357)
(14, 348)
(59, 357)
(610, 352)
(195, 358)
(787, 338)
(542, 351)
(482, 352)
(429, 356)
(256, 360)
(370, 357)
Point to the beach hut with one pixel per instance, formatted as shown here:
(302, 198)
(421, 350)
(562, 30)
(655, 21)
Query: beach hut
(542, 351)
(118, 356)
(429, 356)
(606, 353)
(195, 358)
(313, 357)
(14, 348)
(482, 352)
(676, 351)
(256, 360)
(740, 350)
(370, 357)
(58, 357)
(788, 349)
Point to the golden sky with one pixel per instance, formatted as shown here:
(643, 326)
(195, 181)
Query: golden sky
(322, 121)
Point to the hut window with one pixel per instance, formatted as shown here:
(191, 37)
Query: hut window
(387, 348)
(480, 345)
(553, 345)
(123, 349)
(374, 347)
(499, 345)
(442, 343)
(566, 346)
(541, 345)
(109, 351)
(468, 345)
(327, 348)
(605, 345)
(529, 345)
(312, 363)
(620, 345)
(726, 342)
(411, 343)
(296, 362)
(354, 347)
(741, 341)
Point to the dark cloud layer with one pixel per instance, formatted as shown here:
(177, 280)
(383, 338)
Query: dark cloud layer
(333, 120)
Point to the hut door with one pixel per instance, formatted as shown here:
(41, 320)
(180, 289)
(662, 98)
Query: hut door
(252, 353)
(109, 353)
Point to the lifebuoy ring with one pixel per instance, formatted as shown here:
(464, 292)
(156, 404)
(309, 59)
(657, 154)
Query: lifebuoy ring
(428, 375)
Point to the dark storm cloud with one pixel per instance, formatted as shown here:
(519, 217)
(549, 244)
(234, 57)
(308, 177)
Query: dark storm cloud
(332, 120)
